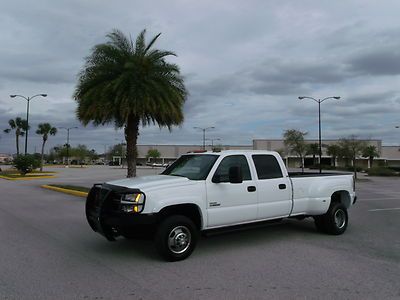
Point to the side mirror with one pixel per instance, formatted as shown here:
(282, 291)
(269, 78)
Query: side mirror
(235, 174)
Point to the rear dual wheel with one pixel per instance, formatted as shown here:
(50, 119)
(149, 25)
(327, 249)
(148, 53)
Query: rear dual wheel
(334, 221)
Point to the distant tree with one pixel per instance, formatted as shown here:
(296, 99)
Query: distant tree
(45, 129)
(313, 149)
(294, 141)
(81, 152)
(117, 150)
(371, 152)
(333, 151)
(153, 153)
(351, 148)
(20, 126)
(93, 155)
(130, 84)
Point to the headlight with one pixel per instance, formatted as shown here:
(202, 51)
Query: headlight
(132, 202)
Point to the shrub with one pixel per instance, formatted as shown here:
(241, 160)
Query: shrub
(381, 171)
(26, 163)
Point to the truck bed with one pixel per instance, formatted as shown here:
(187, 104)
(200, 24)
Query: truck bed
(315, 174)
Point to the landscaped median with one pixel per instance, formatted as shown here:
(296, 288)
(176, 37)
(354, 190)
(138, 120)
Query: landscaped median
(74, 190)
(14, 175)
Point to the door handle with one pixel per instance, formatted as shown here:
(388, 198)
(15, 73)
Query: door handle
(251, 188)
(282, 186)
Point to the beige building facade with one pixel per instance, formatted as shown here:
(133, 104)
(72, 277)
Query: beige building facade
(388, 155)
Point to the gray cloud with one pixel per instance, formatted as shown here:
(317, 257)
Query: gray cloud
(245, 65)
(383, 62)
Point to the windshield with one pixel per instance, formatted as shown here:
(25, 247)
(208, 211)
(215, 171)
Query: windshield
(193, 167)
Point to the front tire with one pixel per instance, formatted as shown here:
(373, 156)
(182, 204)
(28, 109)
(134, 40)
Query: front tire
(176, 238)
(334, 221)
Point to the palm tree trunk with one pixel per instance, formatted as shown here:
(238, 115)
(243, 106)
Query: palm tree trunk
(371, 160)
(131, 134)
(355, 167)
(17, 143)
(41, 159)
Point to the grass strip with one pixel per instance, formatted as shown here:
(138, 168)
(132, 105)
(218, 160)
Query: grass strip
(26, 177)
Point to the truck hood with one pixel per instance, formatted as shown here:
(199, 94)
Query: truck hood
(153, 182)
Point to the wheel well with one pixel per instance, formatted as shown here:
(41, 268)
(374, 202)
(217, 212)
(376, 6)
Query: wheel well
(191, 211)
(341, 197)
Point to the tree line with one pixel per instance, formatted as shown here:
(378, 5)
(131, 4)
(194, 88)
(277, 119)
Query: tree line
(348, 149)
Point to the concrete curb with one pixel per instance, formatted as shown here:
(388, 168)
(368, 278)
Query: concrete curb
(65, 191)
(27, 177)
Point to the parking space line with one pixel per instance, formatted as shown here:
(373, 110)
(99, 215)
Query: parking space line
(384, 209)
(377, 199)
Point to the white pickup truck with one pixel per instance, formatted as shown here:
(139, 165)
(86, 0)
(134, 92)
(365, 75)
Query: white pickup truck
(204, 191)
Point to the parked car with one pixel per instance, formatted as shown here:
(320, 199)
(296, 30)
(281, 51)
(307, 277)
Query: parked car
(201, 192)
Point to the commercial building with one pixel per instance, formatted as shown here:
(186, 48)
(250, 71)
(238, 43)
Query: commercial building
(388, 155)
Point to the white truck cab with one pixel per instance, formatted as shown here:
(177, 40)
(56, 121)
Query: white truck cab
(205, 191)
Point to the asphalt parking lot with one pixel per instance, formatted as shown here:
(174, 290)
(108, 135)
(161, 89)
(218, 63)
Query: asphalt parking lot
(48, 251)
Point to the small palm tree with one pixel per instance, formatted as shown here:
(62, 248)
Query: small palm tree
(333, 151)
(371, 152)
(20, 126)
(313, 149)
(130, 83)
(153, 153)
(45, 129)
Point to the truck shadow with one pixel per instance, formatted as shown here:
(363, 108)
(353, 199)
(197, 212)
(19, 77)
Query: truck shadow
(261, 234)
(143, 250)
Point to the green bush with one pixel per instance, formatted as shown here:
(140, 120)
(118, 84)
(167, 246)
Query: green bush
(26, 163)
(381, 171)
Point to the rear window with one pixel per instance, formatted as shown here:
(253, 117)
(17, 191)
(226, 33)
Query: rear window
(267, 166)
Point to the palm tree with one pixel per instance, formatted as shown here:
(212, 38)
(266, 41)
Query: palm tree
(130, 84)
(370, 152)
(20, 126)
(333, 151)
(45, 130)
(313, 149)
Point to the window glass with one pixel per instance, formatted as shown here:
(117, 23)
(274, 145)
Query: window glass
(233, 161)
(194, 167)
(267, 166)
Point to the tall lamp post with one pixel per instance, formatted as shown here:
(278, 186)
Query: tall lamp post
(319, 101)
(204, 134)
(68, 129)
(28, 99)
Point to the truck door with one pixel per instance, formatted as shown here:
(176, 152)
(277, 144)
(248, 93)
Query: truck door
(274, 189)
(231, 203)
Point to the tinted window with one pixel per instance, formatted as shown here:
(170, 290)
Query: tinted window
(233, 161)
(194, 167)
(267, 167)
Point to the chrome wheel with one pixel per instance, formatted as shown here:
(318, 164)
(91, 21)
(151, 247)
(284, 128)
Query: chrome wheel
(179, 239)
(340, 218)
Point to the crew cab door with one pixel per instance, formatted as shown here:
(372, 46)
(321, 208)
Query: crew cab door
(230, 202)
(273, 186)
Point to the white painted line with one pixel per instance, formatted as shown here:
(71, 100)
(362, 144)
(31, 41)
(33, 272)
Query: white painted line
(375, 199)
(382, 209)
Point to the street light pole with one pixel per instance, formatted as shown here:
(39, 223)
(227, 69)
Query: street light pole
(28, 99)
(68, 129)
(204, 134)
(319, 101)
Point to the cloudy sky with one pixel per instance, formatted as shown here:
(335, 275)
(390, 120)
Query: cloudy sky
(244, 62)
